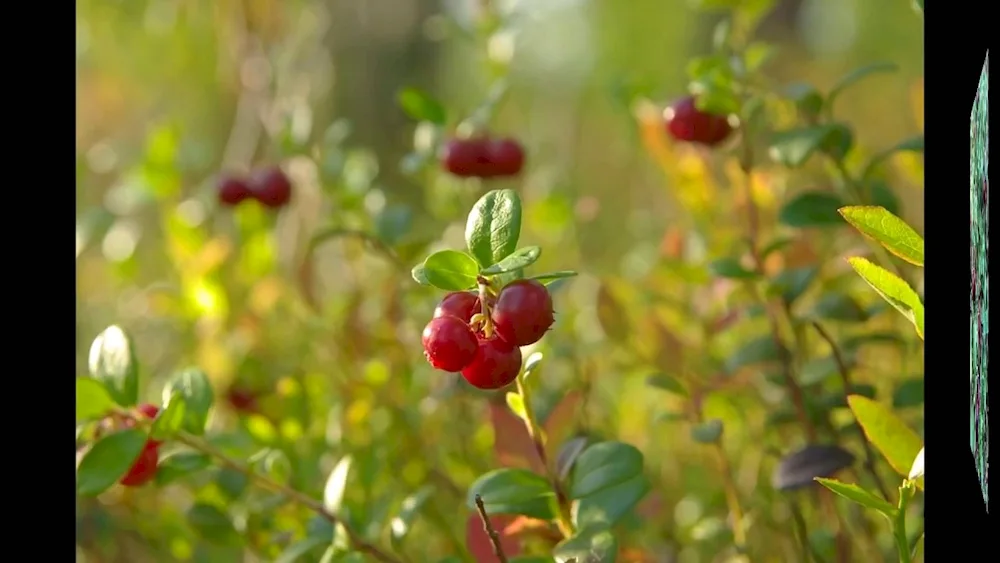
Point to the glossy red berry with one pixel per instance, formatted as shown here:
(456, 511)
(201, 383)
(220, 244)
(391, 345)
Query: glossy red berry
(233, 191)
(465, 158)
(144, 467)
(523, 312)
(505, 156)
(685, 122)
(449, 343)
(459, 304)
(271, 187)
(495, 365)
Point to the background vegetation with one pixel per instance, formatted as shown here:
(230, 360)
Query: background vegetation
(325, 331)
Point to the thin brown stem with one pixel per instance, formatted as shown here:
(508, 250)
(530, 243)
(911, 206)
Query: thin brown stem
(490, 531)
(845, 377)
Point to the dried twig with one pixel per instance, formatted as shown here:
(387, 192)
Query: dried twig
(492, 533)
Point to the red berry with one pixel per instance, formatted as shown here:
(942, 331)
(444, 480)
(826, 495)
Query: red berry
(465, 158)
(685, 122)
(144, 467)
(149, 411)
(271, 187)
(232, 191)
(243, 400)
(449, 343)
(459, 304)
(495, 365)
(506, 157)
(523, 312)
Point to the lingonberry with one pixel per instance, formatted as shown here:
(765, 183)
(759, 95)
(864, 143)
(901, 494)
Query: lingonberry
(242, 400)
(458, 304)
(449, 343)
(232, 191)
(149, 411)
(144, 467)
(523, 312)
(495, 365)
(685, 122)
(506, 157)
(271, 187)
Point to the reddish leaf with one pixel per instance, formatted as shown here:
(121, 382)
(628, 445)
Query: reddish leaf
(479, 543)
(651, 506)
(559, 425)
(511, 443)
(672, 245)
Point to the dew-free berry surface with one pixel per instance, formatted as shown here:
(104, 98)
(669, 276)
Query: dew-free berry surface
(458, 304)
(523, 312)
(271, 187)
(233, 190)
(449, 343)
(482, 157)
(685, 122)
(495, 365)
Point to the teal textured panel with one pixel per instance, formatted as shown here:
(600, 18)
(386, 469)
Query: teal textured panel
(979, 304)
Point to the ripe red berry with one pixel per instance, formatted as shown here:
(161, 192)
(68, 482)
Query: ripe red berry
(495, 365)
(449, 343)
(242, 400)
(459, 304)
(271, 187)
(506, 157)
(232, 191)
(149, 411)
(523, 312)
(685, 122)
(144, 467)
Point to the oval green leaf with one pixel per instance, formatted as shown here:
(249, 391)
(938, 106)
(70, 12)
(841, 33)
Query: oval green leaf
(551, 276)
(792, 148)
(450, 270)
(890, 435)
(494, 226)
(170, 420)
(839, 307)
(893, 289)
(419, 274)
(92, 399)
(402, 523)
(667, 383)
(212, 524)
(594, 544)
(602, 466)
(421, 106)
(112, 362)
(192, 384)
(731, 268)
(513, 491)
(758, 350)
(812, 210)
(888, 230)
(857, 494)
(516, 404)
(521, 258)
(791, 284)
(336, 485)
(707, 432)
(108, 460)
(180, 464)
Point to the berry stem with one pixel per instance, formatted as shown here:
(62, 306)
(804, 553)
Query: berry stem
(484, 304)
(490, 531)
(564, 520)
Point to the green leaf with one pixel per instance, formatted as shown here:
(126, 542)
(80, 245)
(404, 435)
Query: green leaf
(909, 393)
(893, 289)
(791, 284)
(299, 549)
(917, 468)
(806, 97)
(336, 485)
(857, 494)
(420, 106)
(731, 268)
(602, 466)
(812, 209)
(513, 491)
(108, 460)
(276, 466)
(180, 464)
(170, 420)
(816, 370)
(913, 144)
(839, 307)
(213, 524)
(775, 246)
(451, 270)
(516, 404)
(756, 55)
(888, 230)
(667, 383)
(890, 435)
(112, 362)
(402, 523)
(758, 350)
(793, 147)
(707, 432)
(551, 276)
(494, 226)
(92, 399)
(193, 386)
(857, 75)
(594, 544)
(419, 274)
(521, 258)
(610, 505)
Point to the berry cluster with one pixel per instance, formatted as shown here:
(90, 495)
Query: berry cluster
(269, 186)
(144, 467)
(685, 122)
(483, 157)
(483, 344)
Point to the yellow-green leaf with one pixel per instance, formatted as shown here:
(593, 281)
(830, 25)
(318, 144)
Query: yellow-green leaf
(858, 495)
(897, 442)
(893, 289)
(888, 230)
(92, 399)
